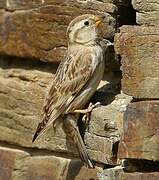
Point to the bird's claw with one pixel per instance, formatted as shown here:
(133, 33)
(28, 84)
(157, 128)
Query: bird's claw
(87, 117)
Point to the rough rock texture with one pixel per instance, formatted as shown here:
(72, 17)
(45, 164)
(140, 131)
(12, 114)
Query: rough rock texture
(105, 129)
(38, 30)
(147, 12)
(139, 176)
(23, 84)
(140, 137)
(138, 47)
(2, 4)
(107, 5)
(18, 164)
(111, 173)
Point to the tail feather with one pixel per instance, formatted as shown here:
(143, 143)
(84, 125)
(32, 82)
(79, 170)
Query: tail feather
(82, 151)
(46, 124)
(38, 131)
(34, 137)
(72, 131)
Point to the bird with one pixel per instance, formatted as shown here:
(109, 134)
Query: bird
(75, 81)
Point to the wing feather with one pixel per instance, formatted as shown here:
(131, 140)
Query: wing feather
(71, 76)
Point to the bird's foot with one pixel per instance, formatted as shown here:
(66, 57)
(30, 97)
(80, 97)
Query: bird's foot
(87, 117)
(87, 112)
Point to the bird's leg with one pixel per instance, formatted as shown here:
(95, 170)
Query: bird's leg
(87, 112)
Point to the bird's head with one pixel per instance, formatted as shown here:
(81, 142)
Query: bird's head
(85, 29)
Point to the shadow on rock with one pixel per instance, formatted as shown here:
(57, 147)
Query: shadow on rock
(73, 169)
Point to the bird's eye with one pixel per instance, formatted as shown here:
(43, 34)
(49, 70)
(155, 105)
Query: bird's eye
(86, 23)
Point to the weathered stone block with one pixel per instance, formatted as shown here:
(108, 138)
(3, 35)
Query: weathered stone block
(75, 171)
(111, 173)
(140, 176)
(101, 149)
(6, 164)
(40, 32)
(22, 88)
(18, 164)
(147, 11)
(148, 18)
(105, 129)
(13, 5)
(93, 5)
(43, 167)
(140, 138)
(145, 6)
(107, 121)
(138, 47)
(2, 4)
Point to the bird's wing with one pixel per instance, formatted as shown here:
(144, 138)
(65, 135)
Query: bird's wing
(70, 78)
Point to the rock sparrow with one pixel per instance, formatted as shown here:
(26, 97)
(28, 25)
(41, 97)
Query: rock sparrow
(76, 80)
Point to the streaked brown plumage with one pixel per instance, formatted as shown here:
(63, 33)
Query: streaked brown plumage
(75, 81)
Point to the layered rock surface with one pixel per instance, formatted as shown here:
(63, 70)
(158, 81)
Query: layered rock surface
(147, 12)
(38, 29)
(140, 134)
(23, 84)
(22, 88)
(36, 32)
(19, 164)
(138, 47)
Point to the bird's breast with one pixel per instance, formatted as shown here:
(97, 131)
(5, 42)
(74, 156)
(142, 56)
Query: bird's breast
(89, 89)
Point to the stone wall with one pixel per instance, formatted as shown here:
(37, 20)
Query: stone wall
(122, 138)
(138, 47)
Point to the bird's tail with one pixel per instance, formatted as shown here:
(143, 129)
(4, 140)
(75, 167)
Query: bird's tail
(71, 130)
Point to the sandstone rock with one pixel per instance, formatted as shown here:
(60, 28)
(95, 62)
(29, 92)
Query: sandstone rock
(140, 137)
(111, 173)
(148, 18)
(2, 4)
(105, 129)
(105, 126)
(102, 150)
(19, 164)
(75, 171)
(22, 88)
(147, 11)
(145, 6)
(93, 5)
(6, 164)
(107, 121)
(40, 32)
(138, 47)
(140, 176)
(12, 5)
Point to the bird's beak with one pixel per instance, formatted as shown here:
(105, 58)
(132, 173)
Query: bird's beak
(98, 20)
